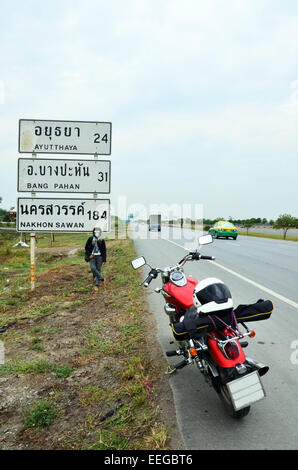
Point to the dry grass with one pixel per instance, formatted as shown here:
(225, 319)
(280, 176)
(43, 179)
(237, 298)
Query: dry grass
(87, 353)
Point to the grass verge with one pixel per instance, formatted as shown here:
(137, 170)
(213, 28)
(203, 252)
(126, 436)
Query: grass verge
(81, 367)
(274, 236)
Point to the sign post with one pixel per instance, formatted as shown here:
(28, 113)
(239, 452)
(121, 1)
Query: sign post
(32, 260)
(68, 137)
(62, 215)
(63, 176)
(32, 246)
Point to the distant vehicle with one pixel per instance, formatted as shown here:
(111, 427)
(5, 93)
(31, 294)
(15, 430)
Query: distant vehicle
(154, 222)
(222, 228)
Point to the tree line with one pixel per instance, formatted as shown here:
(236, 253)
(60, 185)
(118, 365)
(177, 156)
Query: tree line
(283, 222)
(4, 214)
(253, 220)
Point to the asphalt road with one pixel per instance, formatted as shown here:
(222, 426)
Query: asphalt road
(253, 268)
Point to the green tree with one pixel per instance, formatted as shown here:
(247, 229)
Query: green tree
(3, 213)
(285, 221)
(248, 223)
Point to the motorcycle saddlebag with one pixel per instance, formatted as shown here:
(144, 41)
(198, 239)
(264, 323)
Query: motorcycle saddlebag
(261, 310)
(181, 334)
(194, 326)
(191, 326)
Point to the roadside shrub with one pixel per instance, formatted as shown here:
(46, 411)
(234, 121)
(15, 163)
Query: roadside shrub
(40, 415)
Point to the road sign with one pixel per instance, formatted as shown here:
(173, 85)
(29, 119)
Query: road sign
(72, 137)
(62, 215)
(64, 176)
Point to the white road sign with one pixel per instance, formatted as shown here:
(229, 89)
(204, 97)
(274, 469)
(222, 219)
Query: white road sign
(64, 176)
(62, 215)
(72, 137)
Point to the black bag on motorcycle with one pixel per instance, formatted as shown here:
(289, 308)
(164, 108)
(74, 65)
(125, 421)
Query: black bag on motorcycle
(193, 325)
(261, 310)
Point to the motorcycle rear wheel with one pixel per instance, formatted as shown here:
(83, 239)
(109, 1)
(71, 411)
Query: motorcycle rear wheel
(224, 395)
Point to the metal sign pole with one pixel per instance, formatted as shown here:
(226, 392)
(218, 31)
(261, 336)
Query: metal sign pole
(32, 260)
(32, 250)
(68, 176)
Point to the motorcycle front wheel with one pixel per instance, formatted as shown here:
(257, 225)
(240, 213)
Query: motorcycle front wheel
(225, 397)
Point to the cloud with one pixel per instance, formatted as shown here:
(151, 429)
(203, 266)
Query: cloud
(199, 85)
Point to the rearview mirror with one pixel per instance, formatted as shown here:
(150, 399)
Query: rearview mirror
(138, 262)
(205, 239)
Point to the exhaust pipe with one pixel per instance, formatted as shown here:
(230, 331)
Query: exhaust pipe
(261, 368)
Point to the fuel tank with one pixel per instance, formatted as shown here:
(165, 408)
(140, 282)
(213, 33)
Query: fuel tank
(181, 296)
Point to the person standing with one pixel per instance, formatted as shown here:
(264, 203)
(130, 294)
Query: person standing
(96, 255)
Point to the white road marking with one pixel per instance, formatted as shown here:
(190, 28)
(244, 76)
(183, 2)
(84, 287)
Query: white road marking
(232, 243)
(246, 279)
(174, 243)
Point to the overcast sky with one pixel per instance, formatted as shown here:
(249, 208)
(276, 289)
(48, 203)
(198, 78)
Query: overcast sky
(202, 95)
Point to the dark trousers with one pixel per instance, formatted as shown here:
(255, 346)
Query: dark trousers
(95, 265)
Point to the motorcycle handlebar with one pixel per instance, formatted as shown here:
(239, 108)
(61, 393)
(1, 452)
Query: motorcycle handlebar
(148, 280)
(152, 275)
(197, 256)
(192, 255)
(183, 259)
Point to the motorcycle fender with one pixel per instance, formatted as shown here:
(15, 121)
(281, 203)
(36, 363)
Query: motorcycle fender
(220, 359)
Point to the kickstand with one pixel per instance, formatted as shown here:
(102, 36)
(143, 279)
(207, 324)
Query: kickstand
(171, 370)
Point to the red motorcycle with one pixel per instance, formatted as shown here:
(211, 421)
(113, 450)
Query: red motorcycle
(206, 328)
